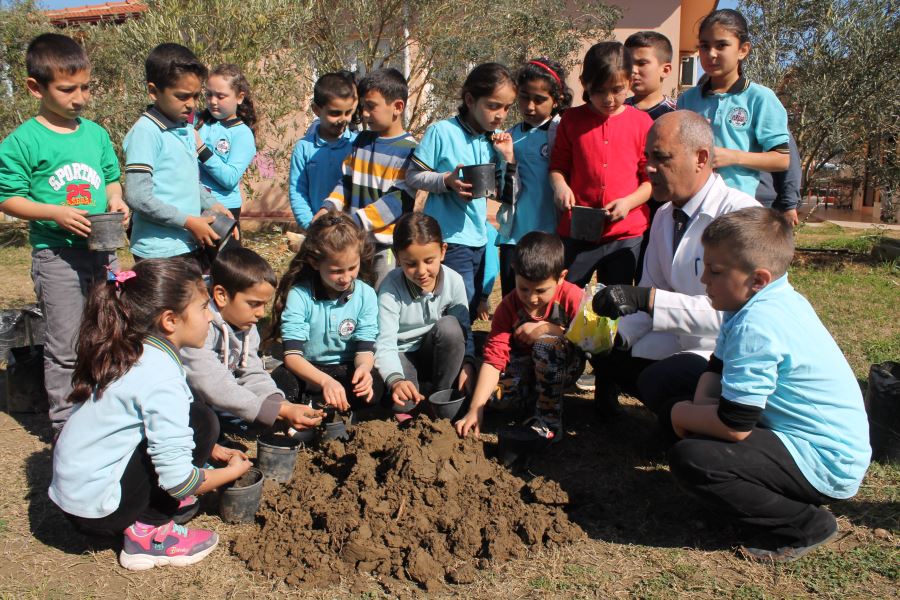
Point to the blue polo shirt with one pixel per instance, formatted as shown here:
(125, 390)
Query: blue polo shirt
(230, 148)
(779, 357)
(534, 206)
(446, 144)
(329, 331)
(315, 170)
(747, 117)
(166, 149)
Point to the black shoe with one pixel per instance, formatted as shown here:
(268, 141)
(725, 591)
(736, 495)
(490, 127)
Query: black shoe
(606, 402)
(788, 554)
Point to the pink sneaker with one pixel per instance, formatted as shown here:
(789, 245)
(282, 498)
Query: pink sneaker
(147, 546)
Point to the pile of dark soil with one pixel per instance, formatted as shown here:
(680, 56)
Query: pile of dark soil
(413, 504)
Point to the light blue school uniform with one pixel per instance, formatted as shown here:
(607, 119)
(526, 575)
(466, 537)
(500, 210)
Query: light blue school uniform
(446, 144)
(315, 170)
(151, 402)
(747, 117)
(491, 262)
(230, 148)
(779, 357)
(328, 331)
(167, 151)
(534, 209)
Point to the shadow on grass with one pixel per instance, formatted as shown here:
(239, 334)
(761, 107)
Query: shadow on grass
(46, 521)
(619, 486)
(874, 515)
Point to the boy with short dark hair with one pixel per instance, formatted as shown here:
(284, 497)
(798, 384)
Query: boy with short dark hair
(777, 426)
(373, 186)
(318, 156)
(55, 170)
(527, 343)
(227, 372)
(651, 54)
(162, 176)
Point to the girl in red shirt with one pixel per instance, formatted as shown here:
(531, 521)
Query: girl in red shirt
(598, 161)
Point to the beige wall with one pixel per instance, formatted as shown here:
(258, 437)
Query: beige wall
(675, 19)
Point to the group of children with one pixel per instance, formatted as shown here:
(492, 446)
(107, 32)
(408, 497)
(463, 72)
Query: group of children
(378, 303)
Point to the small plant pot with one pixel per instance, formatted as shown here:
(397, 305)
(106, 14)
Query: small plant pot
(107, 232)
(335, 430)
(483, 179)
(446, 403)
(277, 455)
(223, 226)
(304, 436)
(588, 223)
(240, 501)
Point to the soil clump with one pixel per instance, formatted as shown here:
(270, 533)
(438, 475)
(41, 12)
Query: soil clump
(412, 504)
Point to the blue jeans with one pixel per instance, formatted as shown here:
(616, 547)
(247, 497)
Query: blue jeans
(469, 263)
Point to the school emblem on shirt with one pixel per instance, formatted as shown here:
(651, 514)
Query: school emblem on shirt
(545, 151)
(346, 328)
(223, 146)
(738, 117)
(78, 194)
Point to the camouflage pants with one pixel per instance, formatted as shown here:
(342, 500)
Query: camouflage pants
(534, 383)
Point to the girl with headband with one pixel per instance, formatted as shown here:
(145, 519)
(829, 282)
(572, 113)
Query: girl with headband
(527, 200)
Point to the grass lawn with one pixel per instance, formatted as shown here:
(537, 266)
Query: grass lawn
(646, 539)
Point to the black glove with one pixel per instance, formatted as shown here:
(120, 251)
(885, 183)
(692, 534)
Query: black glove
(616, 301)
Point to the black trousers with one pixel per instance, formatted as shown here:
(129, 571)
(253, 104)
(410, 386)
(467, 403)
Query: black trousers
(438, 359)
(141, 497)
(658, 384)
(755, 481)
(614, 262)
(296, 390)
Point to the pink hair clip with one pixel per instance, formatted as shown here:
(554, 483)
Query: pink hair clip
(120, 277)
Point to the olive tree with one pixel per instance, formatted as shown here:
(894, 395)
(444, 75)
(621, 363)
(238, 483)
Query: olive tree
(833, 63)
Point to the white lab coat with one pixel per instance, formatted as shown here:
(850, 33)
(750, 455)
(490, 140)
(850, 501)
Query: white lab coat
(683, 319)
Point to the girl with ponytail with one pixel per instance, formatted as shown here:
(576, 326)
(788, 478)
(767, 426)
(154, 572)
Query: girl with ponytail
(130, 458)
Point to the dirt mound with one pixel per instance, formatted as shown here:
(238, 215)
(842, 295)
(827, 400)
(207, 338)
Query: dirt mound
(413, 504)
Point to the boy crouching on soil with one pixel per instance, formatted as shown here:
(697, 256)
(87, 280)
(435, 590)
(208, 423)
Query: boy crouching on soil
(227, 372)
(527, 341)
(777, 426)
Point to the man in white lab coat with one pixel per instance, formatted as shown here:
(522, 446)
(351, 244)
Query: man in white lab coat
(668, 328)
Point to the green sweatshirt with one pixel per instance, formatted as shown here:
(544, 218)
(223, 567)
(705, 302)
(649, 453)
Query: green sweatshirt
(67, 169)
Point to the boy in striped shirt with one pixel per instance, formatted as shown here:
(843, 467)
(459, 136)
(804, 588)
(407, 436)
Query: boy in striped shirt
(373, 186)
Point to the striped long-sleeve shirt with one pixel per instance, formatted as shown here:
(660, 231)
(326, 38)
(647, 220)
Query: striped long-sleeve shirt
(373, 185)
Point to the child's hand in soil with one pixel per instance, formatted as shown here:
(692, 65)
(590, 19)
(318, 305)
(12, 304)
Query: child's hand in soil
(300, 416)
(334, 394)
(223, 454)
(470, 422)
(362, 383)
(454, 183)
(404, 391)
